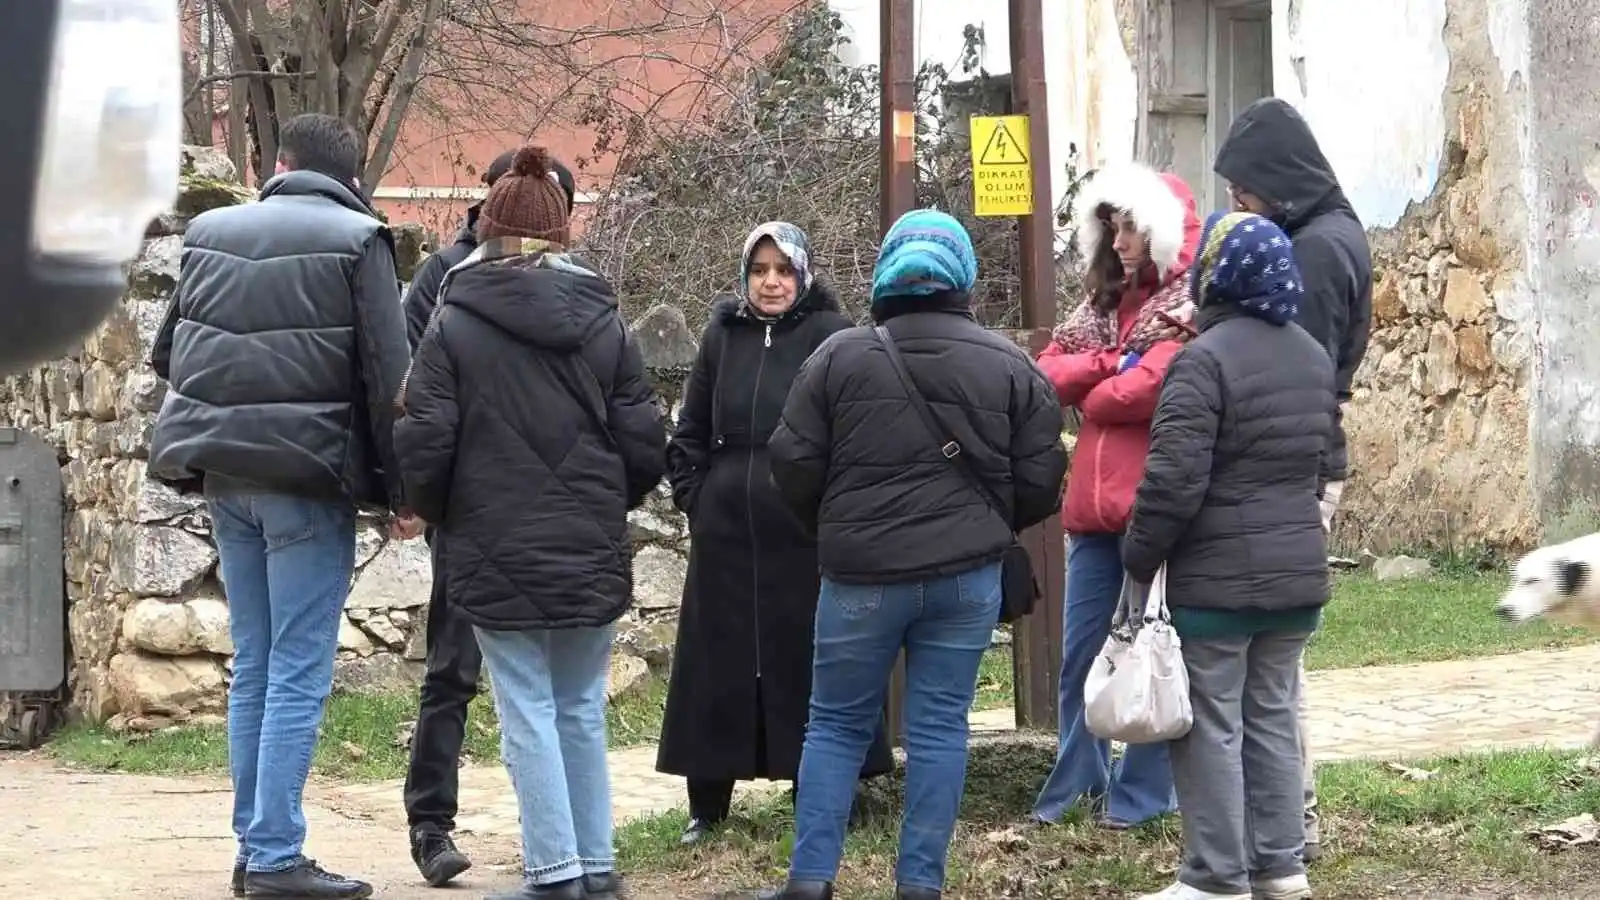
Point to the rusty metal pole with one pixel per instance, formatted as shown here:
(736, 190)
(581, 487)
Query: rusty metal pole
(897, 178)
(1036, 641)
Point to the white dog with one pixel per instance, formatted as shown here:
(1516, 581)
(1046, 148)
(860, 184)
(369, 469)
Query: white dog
(1560, 582)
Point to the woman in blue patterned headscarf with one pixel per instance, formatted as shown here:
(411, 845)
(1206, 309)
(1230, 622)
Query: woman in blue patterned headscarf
(1229, 506)
(741, 676)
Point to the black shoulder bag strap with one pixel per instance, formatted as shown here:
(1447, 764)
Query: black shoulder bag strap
(1019, 590)
(948, 447)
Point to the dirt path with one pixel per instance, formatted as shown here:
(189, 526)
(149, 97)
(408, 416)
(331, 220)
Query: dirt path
(75, 836)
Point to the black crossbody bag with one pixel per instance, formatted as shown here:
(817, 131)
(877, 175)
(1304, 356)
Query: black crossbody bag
(1019, 590)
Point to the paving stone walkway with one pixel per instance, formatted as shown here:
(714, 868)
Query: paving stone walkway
(1389, 712)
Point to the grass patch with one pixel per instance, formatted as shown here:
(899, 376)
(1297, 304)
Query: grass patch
(364, 738)
(1379, 623)
(1460, 829)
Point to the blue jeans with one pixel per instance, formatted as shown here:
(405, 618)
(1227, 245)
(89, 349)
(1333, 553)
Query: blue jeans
(1139, 788)
(286, 567)
(550, 692)
(945, 625)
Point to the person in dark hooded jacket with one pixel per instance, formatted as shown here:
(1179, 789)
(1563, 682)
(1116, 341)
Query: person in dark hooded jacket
(741, 676)
(1276, 169)
(450, 674)
(528, 432)
(423, 291)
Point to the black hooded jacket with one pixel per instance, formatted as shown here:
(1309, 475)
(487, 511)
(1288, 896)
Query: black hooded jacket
(529, 432)
(423, 292)
(1271, 152)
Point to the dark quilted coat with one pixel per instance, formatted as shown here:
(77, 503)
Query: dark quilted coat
(855, 462)
(1229, 497)
(741, 677)
(502, 444)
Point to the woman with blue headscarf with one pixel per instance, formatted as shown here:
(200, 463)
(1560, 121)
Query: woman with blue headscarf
(741, 675)
(1229, 503)
(909, 547)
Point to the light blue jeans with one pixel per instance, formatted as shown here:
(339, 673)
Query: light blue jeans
(945, 625)
(286, 566)
(550, 692)
(1140, 787)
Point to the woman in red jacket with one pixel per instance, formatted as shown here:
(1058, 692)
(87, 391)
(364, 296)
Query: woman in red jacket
(1138, 230)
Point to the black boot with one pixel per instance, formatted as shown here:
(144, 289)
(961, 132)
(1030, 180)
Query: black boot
(436, 855)
(306, 880)
(602, 887)
(698, 830)
(800, 890)
(566, 890)
(915, 893)
(238, 881)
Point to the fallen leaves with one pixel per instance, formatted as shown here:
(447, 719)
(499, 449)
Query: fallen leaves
(1574, 832)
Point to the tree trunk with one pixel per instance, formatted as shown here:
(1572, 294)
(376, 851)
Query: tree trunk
(400, 101)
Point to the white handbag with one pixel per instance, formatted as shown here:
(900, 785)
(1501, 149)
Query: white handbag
(1137, 691)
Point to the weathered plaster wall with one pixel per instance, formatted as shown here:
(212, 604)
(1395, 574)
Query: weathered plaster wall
(1555, 87)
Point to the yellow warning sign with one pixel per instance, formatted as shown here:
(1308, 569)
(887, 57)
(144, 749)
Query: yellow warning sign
(1002, 177)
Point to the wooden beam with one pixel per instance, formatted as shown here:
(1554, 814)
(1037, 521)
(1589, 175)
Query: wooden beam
(1180, 104)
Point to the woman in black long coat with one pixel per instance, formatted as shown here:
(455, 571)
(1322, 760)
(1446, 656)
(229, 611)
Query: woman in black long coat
(740, 691)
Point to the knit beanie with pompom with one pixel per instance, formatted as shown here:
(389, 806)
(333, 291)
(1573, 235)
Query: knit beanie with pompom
(525, 202)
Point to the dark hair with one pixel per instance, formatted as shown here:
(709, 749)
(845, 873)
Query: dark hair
(321, 143)
(1105, 275)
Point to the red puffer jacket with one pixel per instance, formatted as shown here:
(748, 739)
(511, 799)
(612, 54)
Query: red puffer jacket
(1117, 408)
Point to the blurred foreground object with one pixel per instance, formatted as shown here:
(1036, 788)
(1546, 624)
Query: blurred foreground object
(85, 163)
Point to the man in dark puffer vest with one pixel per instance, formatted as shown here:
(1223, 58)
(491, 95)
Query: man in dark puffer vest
(284, 348)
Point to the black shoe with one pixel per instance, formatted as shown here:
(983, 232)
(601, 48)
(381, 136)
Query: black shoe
(238, 881)
(602, 887)
(436, 856)
(800, 890)
(697, 831)
(902, 892)
(306, 880)
(566, 890)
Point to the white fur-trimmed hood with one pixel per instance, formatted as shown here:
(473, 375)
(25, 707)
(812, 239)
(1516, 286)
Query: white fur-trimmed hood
(1153, 201)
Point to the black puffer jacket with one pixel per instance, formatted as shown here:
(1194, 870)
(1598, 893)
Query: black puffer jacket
(284, 346)
(1229, 496)
(502, 443)
(1271, 152)
(423, 292)
(855, 462)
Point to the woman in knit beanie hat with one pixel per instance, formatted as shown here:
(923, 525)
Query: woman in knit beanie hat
(526, 202)
(529, 429)
(1229, 506)
(911, 528)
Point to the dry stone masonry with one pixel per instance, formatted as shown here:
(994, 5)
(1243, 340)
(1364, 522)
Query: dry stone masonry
(148, 619)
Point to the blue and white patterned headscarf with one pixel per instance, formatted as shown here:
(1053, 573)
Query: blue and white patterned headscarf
(791, 242)
(1248, 261)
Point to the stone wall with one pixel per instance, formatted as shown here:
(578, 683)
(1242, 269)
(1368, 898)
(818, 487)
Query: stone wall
(1439, 421)
(148, 620)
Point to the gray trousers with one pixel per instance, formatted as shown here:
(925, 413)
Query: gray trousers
(1238, 771)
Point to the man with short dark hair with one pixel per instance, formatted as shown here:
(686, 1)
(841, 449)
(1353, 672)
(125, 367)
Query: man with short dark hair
(1275, 168)
(450, 679)
(284, 349)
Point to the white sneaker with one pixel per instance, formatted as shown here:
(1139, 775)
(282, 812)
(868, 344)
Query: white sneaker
(1181, 891)
(1289, 887)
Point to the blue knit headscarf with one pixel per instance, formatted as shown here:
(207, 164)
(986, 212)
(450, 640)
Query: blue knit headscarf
(1246, 260)
(925, 252)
